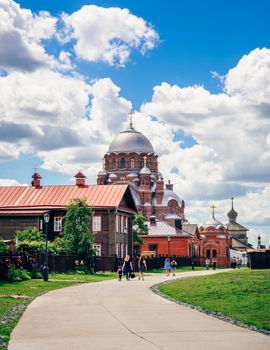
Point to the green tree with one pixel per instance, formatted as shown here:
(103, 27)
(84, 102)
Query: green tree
(4, 249)
(77, 236)
(139, 227)
(32, 241)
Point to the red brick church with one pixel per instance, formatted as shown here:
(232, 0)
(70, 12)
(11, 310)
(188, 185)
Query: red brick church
(131, 159)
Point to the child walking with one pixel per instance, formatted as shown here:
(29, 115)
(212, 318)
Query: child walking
(120, 273)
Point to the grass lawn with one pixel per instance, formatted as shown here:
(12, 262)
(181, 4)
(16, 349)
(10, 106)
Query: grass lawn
(178, 269)
(243, 295)
(32, 289)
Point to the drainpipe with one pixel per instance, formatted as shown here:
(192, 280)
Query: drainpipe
(115, 217)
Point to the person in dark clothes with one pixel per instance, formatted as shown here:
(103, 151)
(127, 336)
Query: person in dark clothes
(127, 267)
(142, 267)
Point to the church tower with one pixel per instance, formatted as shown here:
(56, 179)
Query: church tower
(131, 159)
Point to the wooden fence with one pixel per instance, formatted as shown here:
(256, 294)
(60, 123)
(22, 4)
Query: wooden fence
(64, 263)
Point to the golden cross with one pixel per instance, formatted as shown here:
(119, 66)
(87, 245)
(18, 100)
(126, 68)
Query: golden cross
(213, 208)
(130, 118)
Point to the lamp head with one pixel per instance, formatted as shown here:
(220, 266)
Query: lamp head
(46, 218)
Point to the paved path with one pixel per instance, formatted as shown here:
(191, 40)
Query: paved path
(124, 315)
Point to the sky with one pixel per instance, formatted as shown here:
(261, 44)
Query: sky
(196, 74)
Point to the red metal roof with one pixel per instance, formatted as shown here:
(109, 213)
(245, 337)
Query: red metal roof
(36, 176)
(60, 196)
(80, 175)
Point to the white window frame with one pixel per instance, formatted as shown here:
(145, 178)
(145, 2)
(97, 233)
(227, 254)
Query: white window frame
(96, 223)
(57, 223)
(97, 247)
(116, 223)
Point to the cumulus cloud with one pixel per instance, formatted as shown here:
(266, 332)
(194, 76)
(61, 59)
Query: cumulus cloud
(107, 34)
(10, 182)
(21, 33)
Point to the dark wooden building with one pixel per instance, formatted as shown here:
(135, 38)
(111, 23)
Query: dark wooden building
(23, 207)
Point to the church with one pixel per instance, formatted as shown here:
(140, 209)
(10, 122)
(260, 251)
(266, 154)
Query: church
(131, 159)
(129, 182)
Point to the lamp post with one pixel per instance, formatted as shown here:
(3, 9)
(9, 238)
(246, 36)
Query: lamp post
(169, 245)
(125, 245)
(46, 218)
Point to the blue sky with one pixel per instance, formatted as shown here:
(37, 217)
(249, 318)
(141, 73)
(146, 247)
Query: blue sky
(196, 77)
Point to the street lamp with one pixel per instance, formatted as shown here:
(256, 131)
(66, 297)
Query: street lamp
(169, 245)
(125, 246)
(46, 218)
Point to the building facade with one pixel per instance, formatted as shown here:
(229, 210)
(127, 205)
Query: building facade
(23, 207)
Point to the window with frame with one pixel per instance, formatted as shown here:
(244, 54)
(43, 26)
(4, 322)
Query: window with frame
(123, 163)
(132, 163)
(97, 248)
(96, 223)
(41, 224)
(153, 247)
(57, 224)
(114, 163)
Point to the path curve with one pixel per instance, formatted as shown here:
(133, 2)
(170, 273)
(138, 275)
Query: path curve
(125, 315)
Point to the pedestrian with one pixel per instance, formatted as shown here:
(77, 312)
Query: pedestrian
(127, 267)
(192, 265)
(167, 266)
(142, 267)
(214, 263)
(207, 263)
(120, 273)
(173, 265)
(238, 262)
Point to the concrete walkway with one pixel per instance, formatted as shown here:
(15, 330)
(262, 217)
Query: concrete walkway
(125, 315)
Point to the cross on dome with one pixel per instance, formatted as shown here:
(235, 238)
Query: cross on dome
(213, 210)
(130, 118)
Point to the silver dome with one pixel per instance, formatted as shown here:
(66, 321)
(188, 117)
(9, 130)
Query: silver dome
(131, 141)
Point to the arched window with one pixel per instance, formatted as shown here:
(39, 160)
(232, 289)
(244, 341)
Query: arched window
(141, 163)
(208, 254)
(123, 163)
(132, 163)
(214, 253)
(114, 163)
(172, 207)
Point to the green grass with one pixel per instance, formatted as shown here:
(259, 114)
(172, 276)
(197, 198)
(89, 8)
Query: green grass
(32, 289)
(243, 295)
(178, 269)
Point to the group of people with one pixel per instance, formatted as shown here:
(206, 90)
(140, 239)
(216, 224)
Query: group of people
(170, 266)
(207, 263)
(236, 262)
(127, 268)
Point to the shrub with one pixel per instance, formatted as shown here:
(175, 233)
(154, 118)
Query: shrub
(16, 275)
(4, 249)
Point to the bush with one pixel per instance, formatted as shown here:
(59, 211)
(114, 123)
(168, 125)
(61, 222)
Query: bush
(16, 275)
(4, 249)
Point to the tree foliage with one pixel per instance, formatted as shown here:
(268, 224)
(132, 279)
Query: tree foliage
(77, 237)
(4, 249)
(139, 227)
(32, 241)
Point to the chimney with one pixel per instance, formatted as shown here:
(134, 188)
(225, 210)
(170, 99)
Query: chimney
(36, 180)
(153, 220)
(80, 179)
(178, 224)
(169, 186)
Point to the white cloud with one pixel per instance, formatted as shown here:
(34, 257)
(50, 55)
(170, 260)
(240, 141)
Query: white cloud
(10, 182)
(21, 33)
(107, 34)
